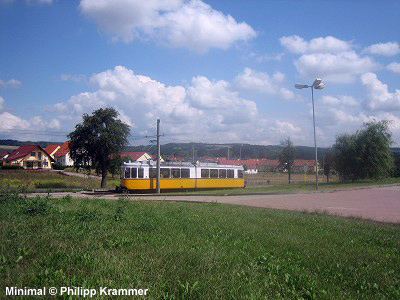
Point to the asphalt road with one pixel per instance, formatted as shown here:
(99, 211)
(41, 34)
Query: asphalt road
(377, 203)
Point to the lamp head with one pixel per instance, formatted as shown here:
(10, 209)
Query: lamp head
(317, 82)
(300, 86)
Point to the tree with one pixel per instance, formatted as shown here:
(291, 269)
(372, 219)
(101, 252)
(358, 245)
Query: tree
(327, 163)
(98, 141)
(286, 157)
(366, 153)
(396, 169)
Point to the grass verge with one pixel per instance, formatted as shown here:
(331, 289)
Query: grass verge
(195, 251)
(30, 180)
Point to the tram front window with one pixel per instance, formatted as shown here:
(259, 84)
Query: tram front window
(133, 172)
(127, 173)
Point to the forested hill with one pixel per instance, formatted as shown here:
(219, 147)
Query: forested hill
(245, 151)
(42, 144)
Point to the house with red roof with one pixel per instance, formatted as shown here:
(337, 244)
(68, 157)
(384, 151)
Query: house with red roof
(52, 149)
(154, 157)
(136, 156)
(252, 166)
(62, 155)
(30, 157)
(301, 165)
(3, 156)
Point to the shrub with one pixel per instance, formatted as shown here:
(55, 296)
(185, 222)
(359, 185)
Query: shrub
(58, 167)
(7, 167)
(52, 183)
(10, 184)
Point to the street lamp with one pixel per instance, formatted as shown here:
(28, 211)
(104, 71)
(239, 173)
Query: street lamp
(318, 85)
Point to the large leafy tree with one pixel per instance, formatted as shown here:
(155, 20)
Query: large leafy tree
(366, 153)
(286, 157)
(98, 141)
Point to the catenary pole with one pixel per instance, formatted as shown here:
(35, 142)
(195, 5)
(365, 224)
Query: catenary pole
(158, 156)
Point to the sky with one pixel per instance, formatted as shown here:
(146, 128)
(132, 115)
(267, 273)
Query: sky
(214, 71)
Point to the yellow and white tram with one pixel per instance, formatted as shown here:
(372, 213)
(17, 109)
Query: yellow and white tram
(141, 176)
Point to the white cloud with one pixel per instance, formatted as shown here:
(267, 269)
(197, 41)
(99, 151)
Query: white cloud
(204, 111)
(12, 83)
(192, 24)
(280, 130)
(329, 58)
(327, 44)
(9, 121)
(1, 103)
(342, 67)
(285, 128)
(339, 101)
(379, 96)
(386, 49)
(337, 120)
(394, 67)
(261, 82)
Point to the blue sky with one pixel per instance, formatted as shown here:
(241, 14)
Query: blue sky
(212, 71)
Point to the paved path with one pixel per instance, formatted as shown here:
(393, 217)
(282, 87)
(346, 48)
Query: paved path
(77, 174)
(378, 203)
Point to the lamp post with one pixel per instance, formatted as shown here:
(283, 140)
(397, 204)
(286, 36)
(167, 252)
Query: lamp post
(318, 85)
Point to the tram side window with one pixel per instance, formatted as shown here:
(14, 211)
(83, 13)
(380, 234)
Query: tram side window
(175, 173)
(240, 174)
(140, 173)
(213, 173)
(152, 173)
(164, 173)
(231, 174)
(222, 173)
(127, 173)
(122, 172)
(205, 173)
(133, 172)
(185, 173)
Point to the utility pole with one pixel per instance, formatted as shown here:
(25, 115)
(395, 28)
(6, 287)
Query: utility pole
(240, 155)
(228, 152)
(158, 156)
(193, 157)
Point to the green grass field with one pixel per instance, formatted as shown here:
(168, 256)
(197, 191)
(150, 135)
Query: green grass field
(195, 251)
(30, 180)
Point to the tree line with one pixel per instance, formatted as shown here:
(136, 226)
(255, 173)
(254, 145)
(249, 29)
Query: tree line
(365, 154)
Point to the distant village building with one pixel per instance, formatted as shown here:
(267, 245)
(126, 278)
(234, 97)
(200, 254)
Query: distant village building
(30, 157)
(52, 149)
(139, 156)
(303, 165)
(252, 166)
(176, 158)
(62, 155)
